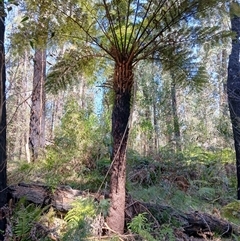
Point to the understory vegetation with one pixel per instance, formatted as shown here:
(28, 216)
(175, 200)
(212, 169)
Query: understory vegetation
(194, 180)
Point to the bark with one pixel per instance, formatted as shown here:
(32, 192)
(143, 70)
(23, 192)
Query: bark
(3, 125)
(222, 87)
(233, 90)
(155, 124)
(123, 80)
(37, 118)
(176, 126)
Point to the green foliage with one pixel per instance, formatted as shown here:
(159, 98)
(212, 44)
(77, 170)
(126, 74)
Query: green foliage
(76, 144)
(91, 180)
(235, 9)
(25, 167)
(210, 176)
(24, 218)
(103, 207)
(166, 233)
(70, 69)
(24, 171)
(141, 226)
(224, 127)
(103, 165)
(79, 219)
(207, 192)
(232, 212)
(235, 237)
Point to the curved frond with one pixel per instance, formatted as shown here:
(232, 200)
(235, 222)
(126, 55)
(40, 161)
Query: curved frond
(70, 68)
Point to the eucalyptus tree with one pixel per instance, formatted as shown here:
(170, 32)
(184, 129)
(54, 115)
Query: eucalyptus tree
(40, 18)
(125, 32)
(33, 34)
(233, 85)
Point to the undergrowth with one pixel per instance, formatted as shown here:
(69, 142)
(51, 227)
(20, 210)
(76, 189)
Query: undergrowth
(194, 180)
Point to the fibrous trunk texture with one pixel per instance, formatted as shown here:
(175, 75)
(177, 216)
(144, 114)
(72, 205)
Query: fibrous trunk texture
(123, 80)
(233, 89)
(37, 118)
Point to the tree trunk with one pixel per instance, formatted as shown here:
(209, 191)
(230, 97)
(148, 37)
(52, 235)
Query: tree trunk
(222, 88)
(176, 128)
(123, 80)
(37, 118)
(3, 125)
(155, 124)
(233, 90)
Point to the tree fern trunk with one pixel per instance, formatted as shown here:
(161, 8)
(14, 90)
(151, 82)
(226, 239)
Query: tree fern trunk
(123, 80)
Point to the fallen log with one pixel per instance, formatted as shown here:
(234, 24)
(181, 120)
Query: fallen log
(193, 224)
(59, 198)
(197, 224)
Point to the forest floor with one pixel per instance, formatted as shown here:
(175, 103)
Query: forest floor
(196, 181)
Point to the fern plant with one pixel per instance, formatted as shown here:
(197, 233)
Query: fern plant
(78, 220)
(24, 219)
(166, 233)
(140, 225)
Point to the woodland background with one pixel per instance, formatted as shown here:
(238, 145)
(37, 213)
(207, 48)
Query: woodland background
(180, 148)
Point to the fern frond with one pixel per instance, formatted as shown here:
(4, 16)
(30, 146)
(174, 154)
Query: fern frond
(24, 218)
(81, 209)
(69, 69)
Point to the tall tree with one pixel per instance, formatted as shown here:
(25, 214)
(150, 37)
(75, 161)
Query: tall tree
(3, 124)
(36, 30)
(233, 85)
(176, 125)
(126, 32)
(37, 116)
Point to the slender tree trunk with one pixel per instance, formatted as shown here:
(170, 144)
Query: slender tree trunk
(123, 80)
(222, 88)
(155, 127)
(27, 80)
(54, 109)
(3, 125)
(37, 117)
(176, 128)
(233, 89)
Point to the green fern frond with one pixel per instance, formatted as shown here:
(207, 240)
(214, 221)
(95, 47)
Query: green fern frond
(140, 225)
(24, 218)
(200, 78)
(78, 219)
(69, 69)
(81, 209)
